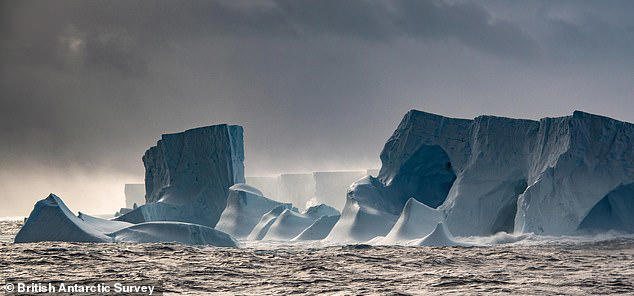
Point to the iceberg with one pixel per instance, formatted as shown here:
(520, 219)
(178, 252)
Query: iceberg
(316, 212)
(134, 195)
(613, 212)
(492, 174)
(287, 226)
(268, 185)
(331, 187)
(511, 175)
(416, 221)
(188, 175)
(245, 206)
(178, 232)
(262, 227)
(439, 237)
(103, 225)
(319, 229)
(372, 172)
(296, 188)
(51, 220)
(366, 214)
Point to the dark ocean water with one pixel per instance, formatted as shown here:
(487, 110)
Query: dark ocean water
(533, 267)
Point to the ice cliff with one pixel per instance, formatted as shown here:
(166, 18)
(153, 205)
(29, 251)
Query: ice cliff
(188, 175)
(134, 194)
(613, 212)
(331, 186)
(307, 189)
(493, 174)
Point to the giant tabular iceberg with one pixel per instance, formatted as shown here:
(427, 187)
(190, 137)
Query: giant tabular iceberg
(190, 173)
(51, 220)
(307, 189)
(330, 187)
(245, 207)
(613, 212)
(494, 174)
(134, 194)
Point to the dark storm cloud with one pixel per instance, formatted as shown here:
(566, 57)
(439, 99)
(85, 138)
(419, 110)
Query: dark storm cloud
(70, 67)
(87, 86)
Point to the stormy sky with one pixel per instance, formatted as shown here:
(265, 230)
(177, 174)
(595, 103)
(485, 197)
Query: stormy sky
(87, 86)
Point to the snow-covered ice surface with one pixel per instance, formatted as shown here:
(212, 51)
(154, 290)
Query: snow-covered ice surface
(52, 220)
(288, 225)
(416, 221)
(245, 206)
(535, 265)
(179, 232)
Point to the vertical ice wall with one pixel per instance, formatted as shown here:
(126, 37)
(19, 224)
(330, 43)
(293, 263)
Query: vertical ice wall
(510, 174)
(308, 189)
(331, 187)
(134, 194)
(188, 175)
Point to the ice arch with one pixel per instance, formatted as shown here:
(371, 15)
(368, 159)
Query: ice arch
(615, 211)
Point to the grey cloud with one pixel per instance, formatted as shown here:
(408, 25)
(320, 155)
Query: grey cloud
(88, 85)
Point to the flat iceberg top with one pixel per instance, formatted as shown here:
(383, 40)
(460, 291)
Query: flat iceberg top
(513, 175)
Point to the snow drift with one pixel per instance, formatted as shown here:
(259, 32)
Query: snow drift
(493, 174)
(134, 194)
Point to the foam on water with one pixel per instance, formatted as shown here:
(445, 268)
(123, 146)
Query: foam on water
(501, 264)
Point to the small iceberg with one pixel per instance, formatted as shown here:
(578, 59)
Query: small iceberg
(51, 220)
